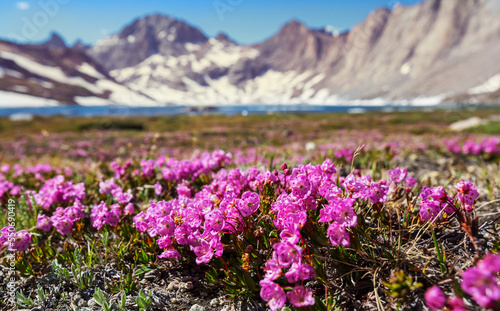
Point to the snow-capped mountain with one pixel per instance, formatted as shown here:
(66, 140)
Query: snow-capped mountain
(433, 51)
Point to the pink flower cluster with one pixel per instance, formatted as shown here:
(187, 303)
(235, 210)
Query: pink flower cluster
(435, 200)
(15, 241)
(8, 187)
(176, 171)
(57, 190)
(435, 299)
(490, 145)
(480, 282)
(101, 214)
(62, 219)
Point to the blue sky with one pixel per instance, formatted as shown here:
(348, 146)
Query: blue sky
(246, 21)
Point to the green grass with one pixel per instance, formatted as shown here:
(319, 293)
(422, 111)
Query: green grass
(491, 128)
(413, 121)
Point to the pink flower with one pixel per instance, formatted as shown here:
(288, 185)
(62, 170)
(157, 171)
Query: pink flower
(112, 217)
(165, 226)
(456, 304)
(467, 193)
(328, 167)
(435, 298)
(249, 203)
(19, 241)
(490, 263)
(63, 224)
(273, 269)
(158, 188)
(148, 167)
(129, 209)
(123, 197)
(98, 215)
(214, 221)
(482, 286)
(287, 253)
(299, 271)
(398, 174)
(377, 192)
(338, 235)
(170, 252)
(273, 294)
(183, 189)
(411, 182)
(164, 242)
(300, 296)
(429, 210)
(344, 213)
(438, 194)
(74, 213)
(105, 187)
(204, 252)
(43, 223)
(301, 187)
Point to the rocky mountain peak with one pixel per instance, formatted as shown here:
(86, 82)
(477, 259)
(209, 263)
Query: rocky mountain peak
(146, 36)
(55, 41)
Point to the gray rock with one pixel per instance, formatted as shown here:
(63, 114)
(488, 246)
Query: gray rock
(92, 303)
(197, 308)
(214, 302)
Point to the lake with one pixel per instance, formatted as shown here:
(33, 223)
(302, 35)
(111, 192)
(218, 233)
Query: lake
(124, 111)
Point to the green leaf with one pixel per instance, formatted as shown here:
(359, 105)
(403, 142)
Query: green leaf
(249, 282)
(143, 270)
(320, 306)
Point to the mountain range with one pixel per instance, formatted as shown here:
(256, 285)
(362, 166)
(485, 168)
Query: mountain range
(434, 51)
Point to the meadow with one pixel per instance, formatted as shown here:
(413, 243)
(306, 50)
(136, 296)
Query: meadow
(370, 211)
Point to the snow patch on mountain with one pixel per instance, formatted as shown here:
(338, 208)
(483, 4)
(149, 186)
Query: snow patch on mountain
(91, 101)
(10, 99)
(90, 71)
(490, 86)
(52, 73)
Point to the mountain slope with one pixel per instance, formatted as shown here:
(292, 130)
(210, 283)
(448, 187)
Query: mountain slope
(56, 74)
(433, 51)
(155, 34)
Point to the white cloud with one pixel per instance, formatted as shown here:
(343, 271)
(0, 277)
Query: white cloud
(23, 5)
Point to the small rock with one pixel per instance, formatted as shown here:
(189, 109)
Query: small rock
(151, 275)
(214, 302)
(173, 285)
(197, 308)
(92, 303)
(81, 303)
(189, 285)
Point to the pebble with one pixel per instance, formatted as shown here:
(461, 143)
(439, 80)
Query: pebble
(92, 303)
(189, 285)
(197, 308)
(214, 302)
(151, 275)
(173, 285)
(81, 303)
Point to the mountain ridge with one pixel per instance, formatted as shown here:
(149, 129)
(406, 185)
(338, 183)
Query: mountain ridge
(429, 52)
